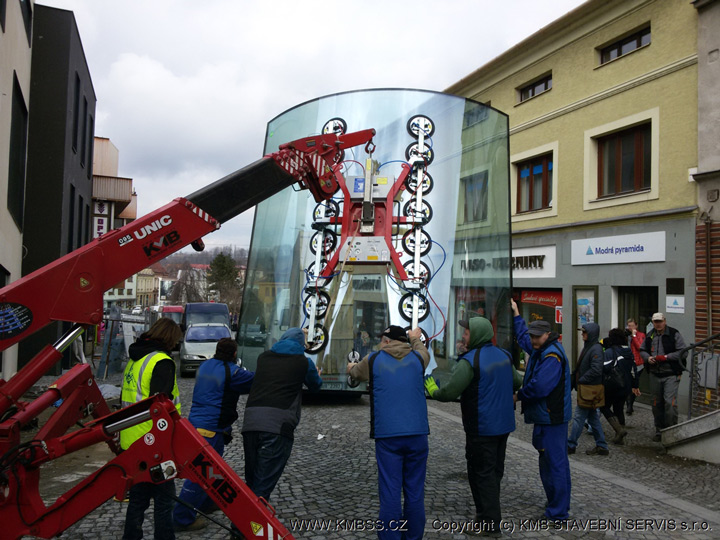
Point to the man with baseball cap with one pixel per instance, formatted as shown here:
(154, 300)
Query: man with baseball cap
(546, 403)
(399, 425)
(661, 353)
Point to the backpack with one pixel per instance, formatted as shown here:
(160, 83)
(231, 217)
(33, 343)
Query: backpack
(613, 377)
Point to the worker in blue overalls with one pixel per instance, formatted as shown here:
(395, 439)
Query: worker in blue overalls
(546, 402)
(399, 425)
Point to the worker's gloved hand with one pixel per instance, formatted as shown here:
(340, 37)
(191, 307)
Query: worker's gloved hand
(660, 358)
(430, 385)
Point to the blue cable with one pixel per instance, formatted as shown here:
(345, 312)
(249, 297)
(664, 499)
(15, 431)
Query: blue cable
(394, 161)
(441, 265)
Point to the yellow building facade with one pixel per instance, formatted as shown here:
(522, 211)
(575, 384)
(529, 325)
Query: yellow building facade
(603, 109)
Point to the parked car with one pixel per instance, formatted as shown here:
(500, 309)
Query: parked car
(199, 344)
(253, 335)
(137, 310)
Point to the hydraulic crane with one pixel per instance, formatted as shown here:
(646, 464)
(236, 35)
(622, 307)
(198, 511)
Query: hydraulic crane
(71, 289)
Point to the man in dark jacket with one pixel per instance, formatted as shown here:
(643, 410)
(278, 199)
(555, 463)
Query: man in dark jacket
(272, 411)
(661, 353)
(218, 385)
(590, 372)
(546, 403)
(483, 378)
(399, 425)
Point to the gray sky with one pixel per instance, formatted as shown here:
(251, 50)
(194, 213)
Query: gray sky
(185, 88)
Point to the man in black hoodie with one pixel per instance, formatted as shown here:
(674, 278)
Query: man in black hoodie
(589, 372)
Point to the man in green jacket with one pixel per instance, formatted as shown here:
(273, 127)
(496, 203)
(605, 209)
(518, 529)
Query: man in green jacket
(483, 379)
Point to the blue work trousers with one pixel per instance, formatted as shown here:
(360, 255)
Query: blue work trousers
(401, 465)
(592, 417)
(550, 441)
(193, 493)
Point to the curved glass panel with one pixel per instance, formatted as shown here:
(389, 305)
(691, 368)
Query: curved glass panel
(369, 274)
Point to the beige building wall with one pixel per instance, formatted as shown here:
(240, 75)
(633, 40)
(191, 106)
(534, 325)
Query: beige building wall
(657, 82)
(14, 63)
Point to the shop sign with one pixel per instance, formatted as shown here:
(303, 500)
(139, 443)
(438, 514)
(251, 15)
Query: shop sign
(534, 262)
(100, 226)
(544, 298)
(628, 248)
(674, 304)
(101, 208)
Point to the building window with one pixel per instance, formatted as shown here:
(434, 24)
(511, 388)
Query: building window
(625, 45)
(475, 187)
(17, 158)
(84, 128)
(76, 113)
(91, 145)
(624, 161)
(475, 115)
(537, 87)
(534, 188)
(26, 10)
(71, 220)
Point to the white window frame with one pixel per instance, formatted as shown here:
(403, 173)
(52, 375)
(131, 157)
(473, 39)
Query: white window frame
(590, 165)
(515, 159)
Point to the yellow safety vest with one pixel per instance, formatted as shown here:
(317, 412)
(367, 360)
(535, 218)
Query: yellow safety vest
(136, 387)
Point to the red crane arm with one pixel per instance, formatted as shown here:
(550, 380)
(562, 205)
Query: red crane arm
(71, 288)
(172, 448)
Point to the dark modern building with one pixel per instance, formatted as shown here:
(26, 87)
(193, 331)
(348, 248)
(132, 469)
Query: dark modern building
(60, 152)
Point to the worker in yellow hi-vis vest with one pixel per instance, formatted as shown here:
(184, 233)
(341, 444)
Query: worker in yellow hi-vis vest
(149, 371)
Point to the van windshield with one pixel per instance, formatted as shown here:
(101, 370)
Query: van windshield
(206, 333)
(204, 317)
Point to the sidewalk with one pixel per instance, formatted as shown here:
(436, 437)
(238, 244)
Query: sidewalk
(637, 491)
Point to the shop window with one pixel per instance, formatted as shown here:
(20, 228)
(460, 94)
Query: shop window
(624, 161)
(535, 88)
(476, 196)
(625, 45)
(534, 184)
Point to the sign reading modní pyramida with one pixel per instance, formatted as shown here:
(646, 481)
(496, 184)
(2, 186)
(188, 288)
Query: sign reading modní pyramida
(628, 248)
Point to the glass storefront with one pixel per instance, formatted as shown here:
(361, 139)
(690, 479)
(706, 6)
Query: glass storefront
(440, 179)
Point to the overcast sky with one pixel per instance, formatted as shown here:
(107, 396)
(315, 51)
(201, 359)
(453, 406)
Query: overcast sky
(185, 88)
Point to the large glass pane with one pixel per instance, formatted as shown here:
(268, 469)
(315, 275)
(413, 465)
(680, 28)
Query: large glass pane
(537, 186)
(608, 162)
(462, 268)
(628, 161)
(549, 183)
(647, 151)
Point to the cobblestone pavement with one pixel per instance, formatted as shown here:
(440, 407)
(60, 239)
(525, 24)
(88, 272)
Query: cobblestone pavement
(636, 492)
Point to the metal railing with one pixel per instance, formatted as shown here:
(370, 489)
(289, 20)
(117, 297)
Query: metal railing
(709, 358)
